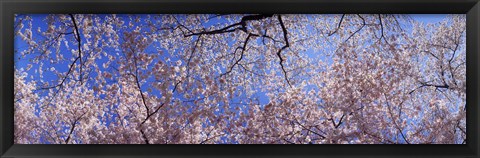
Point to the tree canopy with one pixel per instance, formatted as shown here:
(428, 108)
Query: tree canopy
(232, 78)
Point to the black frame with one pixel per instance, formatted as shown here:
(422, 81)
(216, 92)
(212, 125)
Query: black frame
(10, 7)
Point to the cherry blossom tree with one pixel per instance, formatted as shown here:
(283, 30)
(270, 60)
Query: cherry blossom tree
(247, 79)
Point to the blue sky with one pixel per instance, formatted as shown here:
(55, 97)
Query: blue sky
(428, 18)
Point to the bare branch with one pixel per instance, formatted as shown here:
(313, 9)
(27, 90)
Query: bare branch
(338, 27)
(381, 27)
(144, 137)
(308, 129)
(285, 33)
(424, 84)
(241, 55)
(79, 40)
(336, 125)
(242, 25)
(361, 27)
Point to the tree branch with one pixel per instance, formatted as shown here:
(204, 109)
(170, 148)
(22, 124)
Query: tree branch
(363, 24)
(381, 27)
(208, 139)
(339, 121)
(241, 55)
(79, 40)
(138, 83)
(71, 131)
(154, 112)
(423, 84)
(338, 27)
(308, 129)
(284, 47)
(144, 137)
(242, 25)
(394, 121)
(377, 137)
(60, 86)
(73, 127)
